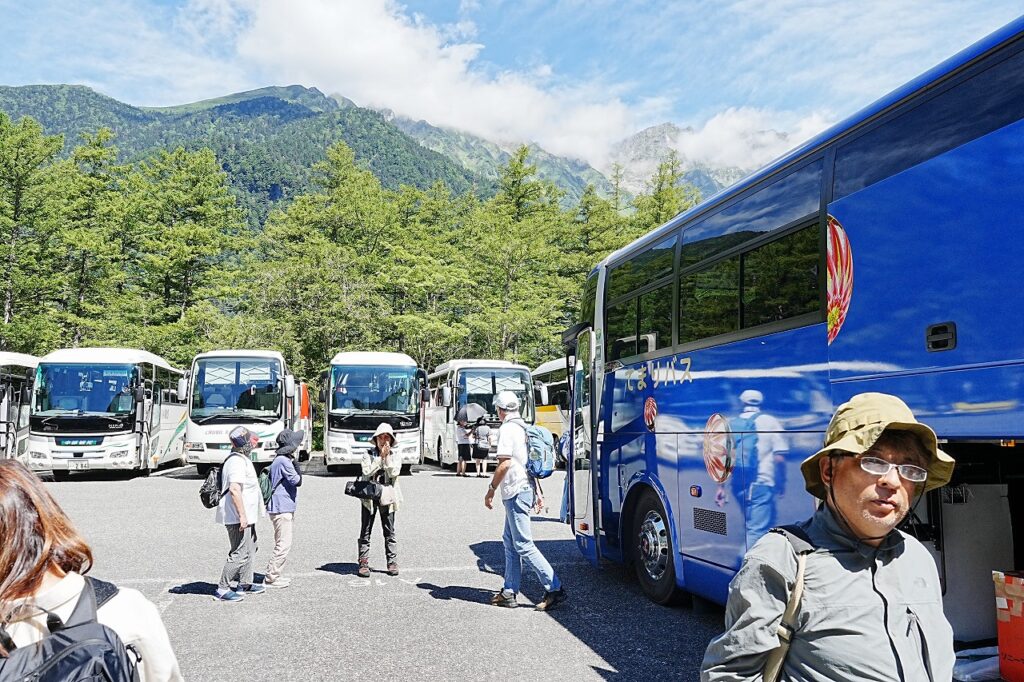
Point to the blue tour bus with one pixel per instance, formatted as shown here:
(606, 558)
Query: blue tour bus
(879, 256)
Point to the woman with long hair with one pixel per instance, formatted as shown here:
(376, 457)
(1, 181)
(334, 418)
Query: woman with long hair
(42, 563)
(380, 464)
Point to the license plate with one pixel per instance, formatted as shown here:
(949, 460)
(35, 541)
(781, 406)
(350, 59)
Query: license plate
(77, 466)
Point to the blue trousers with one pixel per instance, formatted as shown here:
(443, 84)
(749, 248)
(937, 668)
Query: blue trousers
(519, 547)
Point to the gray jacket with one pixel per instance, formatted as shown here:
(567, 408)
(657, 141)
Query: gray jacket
(866, 613)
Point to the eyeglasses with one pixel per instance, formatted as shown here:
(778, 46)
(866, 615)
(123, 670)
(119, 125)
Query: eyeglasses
(879, 467)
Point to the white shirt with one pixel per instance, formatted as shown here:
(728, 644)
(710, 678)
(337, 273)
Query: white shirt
(462, 436)
(134, 618)
(239, 469)
(512, 446)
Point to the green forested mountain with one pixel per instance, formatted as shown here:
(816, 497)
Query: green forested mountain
(266, 140)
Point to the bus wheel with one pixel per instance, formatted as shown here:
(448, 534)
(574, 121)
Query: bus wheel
(406, 469)
(439, 456)
(61, 475)
(334, 469)
(652, 551)
(203, 470)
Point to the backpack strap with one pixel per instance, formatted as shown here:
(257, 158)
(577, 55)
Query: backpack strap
(802, 547)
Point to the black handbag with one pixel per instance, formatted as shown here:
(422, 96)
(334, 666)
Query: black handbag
(364, 490)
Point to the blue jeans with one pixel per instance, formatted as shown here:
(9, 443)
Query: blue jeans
(519, 547)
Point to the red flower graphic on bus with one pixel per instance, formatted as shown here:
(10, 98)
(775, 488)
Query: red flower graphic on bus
(840, 277)
(650, 413)
(718, 448)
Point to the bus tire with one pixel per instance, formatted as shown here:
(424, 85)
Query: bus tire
(60, 475)
(652, 552)
(334, 469)
(406, 469)
(203, 470)
(440, 457)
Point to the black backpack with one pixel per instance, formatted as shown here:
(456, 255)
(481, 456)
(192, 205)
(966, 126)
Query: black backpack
(212, 490)
(76, 651)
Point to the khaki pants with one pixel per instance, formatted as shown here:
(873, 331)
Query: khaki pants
(282, 545)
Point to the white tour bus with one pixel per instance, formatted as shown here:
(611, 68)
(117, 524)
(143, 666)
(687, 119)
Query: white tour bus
(456, 383)
(104, 408)
(16, 371)
(250, 388)
(551, 393)
(363, 389)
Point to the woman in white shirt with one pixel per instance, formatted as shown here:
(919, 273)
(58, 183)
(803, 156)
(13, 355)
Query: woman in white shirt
(42, 561)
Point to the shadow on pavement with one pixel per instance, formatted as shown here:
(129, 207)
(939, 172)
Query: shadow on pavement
(348, 568)
(207, 589)
(608, 612)
(474, 595)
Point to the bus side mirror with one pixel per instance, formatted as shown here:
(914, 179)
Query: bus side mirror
(424, 395)
(543, 389)
(323, 394)
(446, 396)
(323, 375)
(289, 386)
(139, 394)
(182, 388)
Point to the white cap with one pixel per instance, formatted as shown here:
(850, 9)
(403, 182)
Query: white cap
(506, 400)
(751, 397)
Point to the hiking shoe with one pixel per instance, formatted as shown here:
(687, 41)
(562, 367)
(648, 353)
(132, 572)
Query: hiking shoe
(392, 569)
(280, 582)
(227, 595)
(364, 569)
(504, 600)
(252, 588)
(551, 600)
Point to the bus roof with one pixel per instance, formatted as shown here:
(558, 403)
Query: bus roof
(549, 366)
(111, 356)
(1012, 31)
(381, 358)
(466, 364)
(241, 353)
(18, 360)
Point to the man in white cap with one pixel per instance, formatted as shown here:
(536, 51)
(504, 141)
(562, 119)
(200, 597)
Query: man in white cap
(770, 450)
(871, 607)
(519, 495)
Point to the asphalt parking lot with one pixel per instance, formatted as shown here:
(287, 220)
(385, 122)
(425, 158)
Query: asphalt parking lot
(432, 622)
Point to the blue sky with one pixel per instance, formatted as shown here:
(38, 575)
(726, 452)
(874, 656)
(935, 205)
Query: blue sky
(572, 75)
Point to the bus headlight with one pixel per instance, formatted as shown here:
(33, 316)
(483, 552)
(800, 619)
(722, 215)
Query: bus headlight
(194, 446)
(35, 454)
(118, 453)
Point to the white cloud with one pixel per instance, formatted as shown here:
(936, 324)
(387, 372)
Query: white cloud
(377, 55)
(749, 138)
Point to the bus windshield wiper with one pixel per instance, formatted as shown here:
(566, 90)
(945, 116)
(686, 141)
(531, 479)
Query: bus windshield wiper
(65, 413)
(103, 415)
(218, 415)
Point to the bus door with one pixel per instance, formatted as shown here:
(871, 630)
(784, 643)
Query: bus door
(584, 494)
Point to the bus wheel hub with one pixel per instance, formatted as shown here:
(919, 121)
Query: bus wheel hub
(653, 544)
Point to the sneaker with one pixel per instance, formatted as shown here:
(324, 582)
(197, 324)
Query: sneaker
(252, 588)
(364, 569)
(227, 595)
(504, 600)
(280, 582)
(551, 600)
(392, 569)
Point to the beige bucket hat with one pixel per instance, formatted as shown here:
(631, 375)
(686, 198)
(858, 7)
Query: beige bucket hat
(856, 426)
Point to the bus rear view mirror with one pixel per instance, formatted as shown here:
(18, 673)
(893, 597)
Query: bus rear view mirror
(140, 394)
(182, 388)
(289, 386)
(323, 394)
(425, 395)
(446, 396)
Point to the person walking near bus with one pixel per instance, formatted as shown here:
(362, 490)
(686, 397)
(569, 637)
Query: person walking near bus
(285, 479)
(464, 444)
(241, 503)
(381, 465)
(43, 560)
(520, 497)
(871, 606)
(481, 447)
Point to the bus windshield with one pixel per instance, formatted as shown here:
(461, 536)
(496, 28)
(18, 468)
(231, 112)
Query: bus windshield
(366, 388)
(481, 385)
(66, 389)
(236, 386)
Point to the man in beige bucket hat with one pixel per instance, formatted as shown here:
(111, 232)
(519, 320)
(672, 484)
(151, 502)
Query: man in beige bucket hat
(871, 608)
